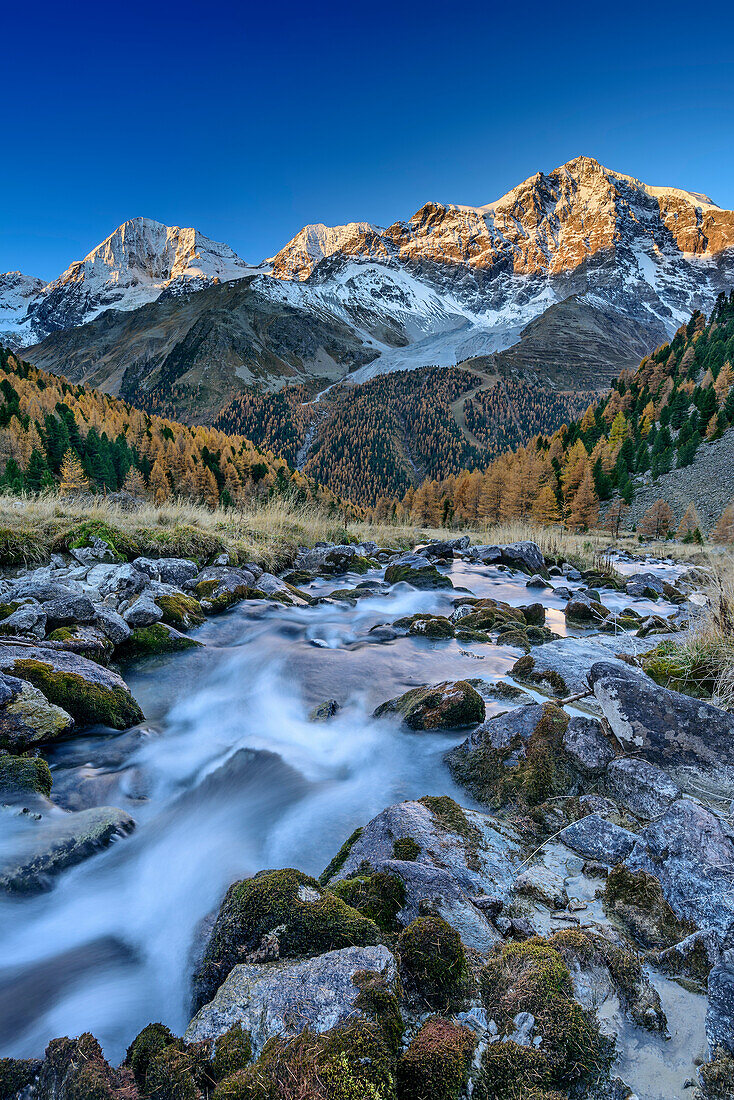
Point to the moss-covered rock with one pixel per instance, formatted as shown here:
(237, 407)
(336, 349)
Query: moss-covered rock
(379, 896)
(636, 899)
(336, 864)
(436, 1064)
(529, 768)
(180, 610)
(153, 1039)
(354, 1062)
(22, 775)
(290, 912)
(533, 977)
(525, 672)
(232, 1052)
(431, 626)
(16, 1074)
(426, 577)
(405, 848)
(717, 1076)
(88, 692)
(27, 718)
(441, 706)
(146, 641)
(433, 963)
(75, 1069)
(669, 664)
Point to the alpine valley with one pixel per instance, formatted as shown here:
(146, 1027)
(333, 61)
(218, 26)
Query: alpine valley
(539, 298)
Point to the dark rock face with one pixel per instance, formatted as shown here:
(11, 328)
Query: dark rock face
(444, 706)
(65, 610)
(665, 726)
(720, 1011)
(525, 556)
(596, 838)
(640, 787)
(585, 612)
(445, 548)
(586, 745)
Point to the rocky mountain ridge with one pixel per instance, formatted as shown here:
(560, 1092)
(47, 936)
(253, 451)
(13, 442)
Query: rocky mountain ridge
(572, 276)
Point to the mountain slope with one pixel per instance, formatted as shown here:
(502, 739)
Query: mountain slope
(138, 263)
(188, 357)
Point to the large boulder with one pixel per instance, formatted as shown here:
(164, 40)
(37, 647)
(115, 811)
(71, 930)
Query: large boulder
(525, 556)
(442, 706)
(284, 998)
(515, 757)
(640, 786)
(220, 586)
(26, 716)
(90, 693)
(64, 610)
(479, 852)
(691, 852)
(720, 1009)
(144, 611)
(568, 660)
(61, 843)
(327, 559)
(666, 727)
(444, 548)
(277, 914)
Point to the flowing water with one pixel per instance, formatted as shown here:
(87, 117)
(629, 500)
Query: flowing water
(228, 776)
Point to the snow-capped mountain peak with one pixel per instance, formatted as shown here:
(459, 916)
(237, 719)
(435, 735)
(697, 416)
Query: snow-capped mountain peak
(141, 260)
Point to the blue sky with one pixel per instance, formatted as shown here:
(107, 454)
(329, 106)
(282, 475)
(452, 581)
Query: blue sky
(250, 120)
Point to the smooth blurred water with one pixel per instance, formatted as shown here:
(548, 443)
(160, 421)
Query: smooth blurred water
(226, 777)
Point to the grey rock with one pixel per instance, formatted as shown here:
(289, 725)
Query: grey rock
(41, 590)
(598, 839)
(691, 851)
(665, 726)
(230, 579)
(481, 858)
(640, 786)
(586, 745)
(720, 1009)
(143, 612)
(536, 581)
(500, 730)
(28, 619)
(99, 694)
(284, 998)
(525, 556)
(572, 658)
(97, 551)
(486, 554)
(112, 625)
(433, 890)
(444, 548)
(168, 570)
(62, 843)
(65, 610)
(121, 581)
(644, 584)
(26, 716)
(326, 559)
